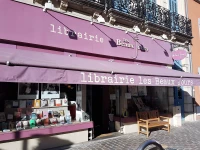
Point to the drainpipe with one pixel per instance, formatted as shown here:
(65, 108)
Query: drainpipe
(190, 61)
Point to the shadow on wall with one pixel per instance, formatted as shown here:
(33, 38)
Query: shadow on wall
(44, 142)
(50, 142)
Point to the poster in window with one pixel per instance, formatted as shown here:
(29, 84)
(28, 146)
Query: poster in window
(50, 90)
(28, 91)
(79, 100)
(142, 91)
(133, 90)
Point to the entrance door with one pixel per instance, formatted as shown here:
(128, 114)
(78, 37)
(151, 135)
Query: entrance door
(97, 109)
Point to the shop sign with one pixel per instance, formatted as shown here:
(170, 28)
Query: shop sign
(179, 54)
(77, 35)
(98, 78)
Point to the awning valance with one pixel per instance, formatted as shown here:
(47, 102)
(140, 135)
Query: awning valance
(41, 67)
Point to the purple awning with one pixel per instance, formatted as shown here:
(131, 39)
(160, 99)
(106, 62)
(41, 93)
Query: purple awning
(31, 66)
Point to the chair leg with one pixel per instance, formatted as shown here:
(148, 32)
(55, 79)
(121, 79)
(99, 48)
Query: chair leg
(138, 129)
(168, 127)
(147, 132)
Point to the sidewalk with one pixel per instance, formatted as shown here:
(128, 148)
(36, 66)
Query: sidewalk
(186, 137)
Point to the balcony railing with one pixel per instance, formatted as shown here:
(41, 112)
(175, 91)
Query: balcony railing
(148, 12)
(157, 14)
(181, 24)
(131, 7)
(96, 1)
(151, 12)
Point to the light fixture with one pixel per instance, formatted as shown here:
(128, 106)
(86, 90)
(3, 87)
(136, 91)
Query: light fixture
(48, 5)
(136, 29)
(7, 63)
(64, 4)
(112, 72)
(173, 38)
(164, 36)
(147, 31)
(98, 17)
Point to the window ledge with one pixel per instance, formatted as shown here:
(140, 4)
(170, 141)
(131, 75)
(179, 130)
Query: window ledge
(31, 133)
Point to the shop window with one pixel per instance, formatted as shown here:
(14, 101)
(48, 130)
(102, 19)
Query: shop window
(34, 105)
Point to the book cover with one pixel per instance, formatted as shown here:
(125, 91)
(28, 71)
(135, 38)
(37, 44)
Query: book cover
(22, 104)
(2, 117)
(61, 112)
(29, 103)
(39, 114)
(46, 122)
(37, 103)
(65, 102)
(44, 103)
(45, 114)
(25, 124)
(8, 104)
(17, 115)
(19, 125)
(15, 104)
(51, 103)
(53, 120)
(11, 125)
(9, 116)
(58, 102)
(62, 119)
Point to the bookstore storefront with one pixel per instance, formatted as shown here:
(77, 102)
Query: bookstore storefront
(55, 72)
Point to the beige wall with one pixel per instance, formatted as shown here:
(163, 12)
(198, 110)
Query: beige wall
(47, 142)
(194, 14)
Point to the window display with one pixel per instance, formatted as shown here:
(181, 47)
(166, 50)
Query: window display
(26, 117)
(42, 111)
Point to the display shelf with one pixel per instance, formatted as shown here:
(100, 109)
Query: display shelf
(39, 107)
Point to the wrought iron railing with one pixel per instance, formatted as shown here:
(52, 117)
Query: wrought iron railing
(181, 24)
(157, 14)
(149, 12)
(95, 1)
(131, 7)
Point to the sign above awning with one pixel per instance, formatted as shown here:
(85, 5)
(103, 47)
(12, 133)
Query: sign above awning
(40, 67)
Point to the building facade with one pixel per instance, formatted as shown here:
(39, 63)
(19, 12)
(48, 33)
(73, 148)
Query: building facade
(105, 58)
(193, 14)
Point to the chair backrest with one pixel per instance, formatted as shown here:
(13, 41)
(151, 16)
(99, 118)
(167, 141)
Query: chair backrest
(142, 115)
(153, 114)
